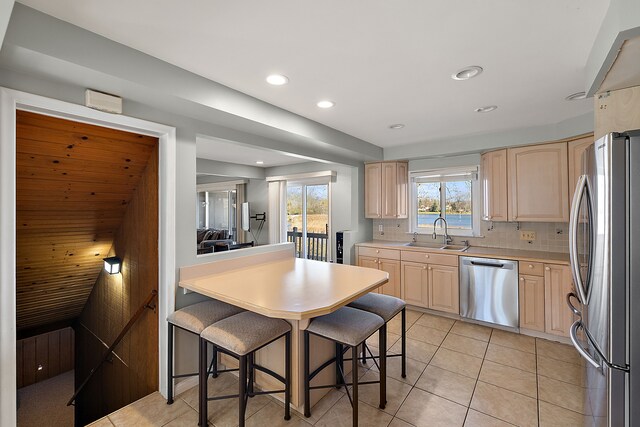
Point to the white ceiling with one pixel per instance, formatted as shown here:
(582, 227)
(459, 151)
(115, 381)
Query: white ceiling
(231, 152)
(380, 61)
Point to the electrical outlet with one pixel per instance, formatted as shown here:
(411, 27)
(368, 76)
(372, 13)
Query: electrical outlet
(527, 235)
(380, 228)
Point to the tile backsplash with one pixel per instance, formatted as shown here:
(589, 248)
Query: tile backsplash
(550, 236)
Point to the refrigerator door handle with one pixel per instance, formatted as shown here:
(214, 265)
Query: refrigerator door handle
(571, 306)
(573, 237)
(573, 334)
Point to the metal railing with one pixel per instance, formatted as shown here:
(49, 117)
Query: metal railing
(317, 244)
(110, 350)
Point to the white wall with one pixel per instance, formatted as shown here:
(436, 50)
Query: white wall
(5, 12)
(470, 144)
(258, 198)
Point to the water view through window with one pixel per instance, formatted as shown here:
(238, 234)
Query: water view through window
(455, 196)
(308, 205)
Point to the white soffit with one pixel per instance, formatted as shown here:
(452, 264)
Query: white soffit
(381, 62)
(625, 71)
(231, 152)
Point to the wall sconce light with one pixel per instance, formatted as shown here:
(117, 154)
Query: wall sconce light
(112, 265)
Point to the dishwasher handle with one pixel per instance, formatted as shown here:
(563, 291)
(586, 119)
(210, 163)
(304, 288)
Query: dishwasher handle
(487, 264)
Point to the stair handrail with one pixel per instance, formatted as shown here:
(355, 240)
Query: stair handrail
(110, 350)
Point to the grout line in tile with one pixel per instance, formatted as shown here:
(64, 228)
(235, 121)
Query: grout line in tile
(535, 349)
(477, 379)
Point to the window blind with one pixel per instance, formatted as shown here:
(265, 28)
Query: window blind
(445, 175)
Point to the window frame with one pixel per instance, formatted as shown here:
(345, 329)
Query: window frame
(476, 201)
(304, 182)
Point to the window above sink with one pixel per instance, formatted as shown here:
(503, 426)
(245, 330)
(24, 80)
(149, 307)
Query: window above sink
(453, 194)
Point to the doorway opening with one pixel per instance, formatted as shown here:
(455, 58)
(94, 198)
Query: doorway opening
(308, 219)
(84, 193)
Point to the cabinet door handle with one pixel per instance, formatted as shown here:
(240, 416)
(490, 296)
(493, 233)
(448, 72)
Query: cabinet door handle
(424, 267)
(522, 279)
(426, 256)
(377, 251)
(547, 268)
(429, 268)
(530, 265)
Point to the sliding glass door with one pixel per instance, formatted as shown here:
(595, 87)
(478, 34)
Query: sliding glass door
(308, 219)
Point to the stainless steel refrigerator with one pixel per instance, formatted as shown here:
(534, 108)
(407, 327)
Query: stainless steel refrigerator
(604, 245)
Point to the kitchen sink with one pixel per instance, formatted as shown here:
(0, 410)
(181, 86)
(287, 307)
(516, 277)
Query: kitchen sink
(424, 245)
(453, 248)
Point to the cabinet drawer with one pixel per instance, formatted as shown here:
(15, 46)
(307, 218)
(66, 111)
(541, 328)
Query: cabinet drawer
(430, 258)
(379, 252)
(531, 268)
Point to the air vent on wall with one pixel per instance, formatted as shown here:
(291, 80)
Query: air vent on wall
(103, 101)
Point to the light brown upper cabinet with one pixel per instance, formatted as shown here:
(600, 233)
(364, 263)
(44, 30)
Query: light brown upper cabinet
(575, 150)
(386, 190)
(373, 190)
(538, 183)
(494, 185)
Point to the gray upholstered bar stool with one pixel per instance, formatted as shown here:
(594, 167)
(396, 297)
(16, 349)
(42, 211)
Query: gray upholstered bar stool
(348, 327)
(241, 336)
(194, 319)
(386, 307)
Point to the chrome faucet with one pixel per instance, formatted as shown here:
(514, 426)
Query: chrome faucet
(415, 237)
(446, 238)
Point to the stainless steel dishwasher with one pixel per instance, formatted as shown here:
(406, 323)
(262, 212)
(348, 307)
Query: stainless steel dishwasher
(489, 290)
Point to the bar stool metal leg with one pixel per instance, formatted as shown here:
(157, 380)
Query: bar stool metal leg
(242, 390)
(354, 381)
(202, 372)
(252, 373)
(287, 376)
(403, 335)
(170, 365)
(383, 366)
(339, 364)
(307, 404)
(214, 363)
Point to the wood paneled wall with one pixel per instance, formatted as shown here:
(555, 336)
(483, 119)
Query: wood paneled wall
(133, 372)
(74, 183)
(52, 351)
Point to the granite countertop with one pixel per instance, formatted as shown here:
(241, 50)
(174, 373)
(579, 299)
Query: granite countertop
(479, 251)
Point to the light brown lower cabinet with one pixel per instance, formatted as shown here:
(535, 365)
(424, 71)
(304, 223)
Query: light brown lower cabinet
(415, 281)
(531, 291)
(557, 284)
(391, 266)
(543, 295)
(431, 286)
(392, 287)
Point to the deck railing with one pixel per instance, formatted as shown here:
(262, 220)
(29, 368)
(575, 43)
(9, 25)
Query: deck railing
(317, 244)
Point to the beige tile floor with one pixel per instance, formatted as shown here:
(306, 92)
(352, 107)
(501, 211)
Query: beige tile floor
(458, 374)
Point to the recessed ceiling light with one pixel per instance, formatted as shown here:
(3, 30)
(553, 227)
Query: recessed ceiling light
(467, 73)
(325, 104)
(576, 96)
(277, 79)
(259, 162)
(396, 126)
(486, 109)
